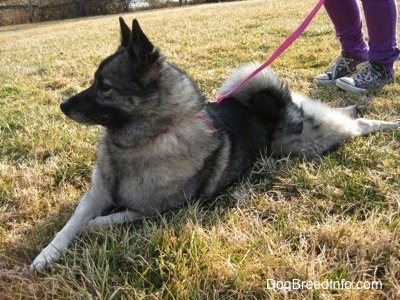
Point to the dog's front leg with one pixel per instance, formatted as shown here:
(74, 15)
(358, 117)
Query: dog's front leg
(116, 218)
(90, 206)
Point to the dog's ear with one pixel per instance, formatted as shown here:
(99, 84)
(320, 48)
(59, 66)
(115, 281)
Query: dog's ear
(125, 33)
(140, 46)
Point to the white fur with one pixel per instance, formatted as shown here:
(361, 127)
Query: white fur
(324, 127)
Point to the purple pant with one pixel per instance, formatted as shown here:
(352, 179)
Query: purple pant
(381, 19)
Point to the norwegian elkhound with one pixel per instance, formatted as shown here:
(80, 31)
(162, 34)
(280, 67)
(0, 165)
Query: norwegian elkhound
(165, 145)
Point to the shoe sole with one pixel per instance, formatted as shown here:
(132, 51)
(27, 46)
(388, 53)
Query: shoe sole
(325, 82)
(349, 88)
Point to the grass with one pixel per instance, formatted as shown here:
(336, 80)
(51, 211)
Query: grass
(331, 218)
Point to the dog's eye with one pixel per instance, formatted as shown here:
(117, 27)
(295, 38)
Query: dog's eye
(104, 87)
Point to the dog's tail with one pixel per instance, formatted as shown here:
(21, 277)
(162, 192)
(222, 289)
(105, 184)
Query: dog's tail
(266, 92)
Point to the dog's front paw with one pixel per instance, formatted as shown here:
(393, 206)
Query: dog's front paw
(44, 260)
(40, 263)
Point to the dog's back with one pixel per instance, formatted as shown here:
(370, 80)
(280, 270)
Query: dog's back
(249, 117)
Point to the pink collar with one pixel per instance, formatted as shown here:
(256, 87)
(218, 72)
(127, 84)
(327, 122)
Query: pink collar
(210, 126)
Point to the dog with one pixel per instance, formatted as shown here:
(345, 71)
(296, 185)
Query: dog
(164, 145)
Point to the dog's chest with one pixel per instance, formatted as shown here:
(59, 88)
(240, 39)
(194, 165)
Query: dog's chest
(144, 179)
(159, 171)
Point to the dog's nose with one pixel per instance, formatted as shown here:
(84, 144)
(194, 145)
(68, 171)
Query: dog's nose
(64, 106)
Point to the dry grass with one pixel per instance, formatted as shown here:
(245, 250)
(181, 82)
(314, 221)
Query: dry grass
(333, 218)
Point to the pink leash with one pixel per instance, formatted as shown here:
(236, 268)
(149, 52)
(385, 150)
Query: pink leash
(282, 47)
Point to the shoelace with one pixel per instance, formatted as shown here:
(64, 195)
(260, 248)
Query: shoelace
(365, 72)
(335, 64)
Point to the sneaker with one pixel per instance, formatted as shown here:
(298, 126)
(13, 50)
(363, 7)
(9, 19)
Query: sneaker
(343, 65)
(369, 75)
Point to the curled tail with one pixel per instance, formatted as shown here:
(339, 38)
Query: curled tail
(266, 92)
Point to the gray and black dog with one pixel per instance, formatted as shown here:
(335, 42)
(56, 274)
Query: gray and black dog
(164, 145)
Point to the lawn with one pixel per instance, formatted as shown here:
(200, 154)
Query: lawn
(328, 220)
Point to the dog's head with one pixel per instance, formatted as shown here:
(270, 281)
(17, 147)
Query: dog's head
(134, 85)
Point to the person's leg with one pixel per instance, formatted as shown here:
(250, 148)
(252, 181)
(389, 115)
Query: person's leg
(346, 18)
(381, 19)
